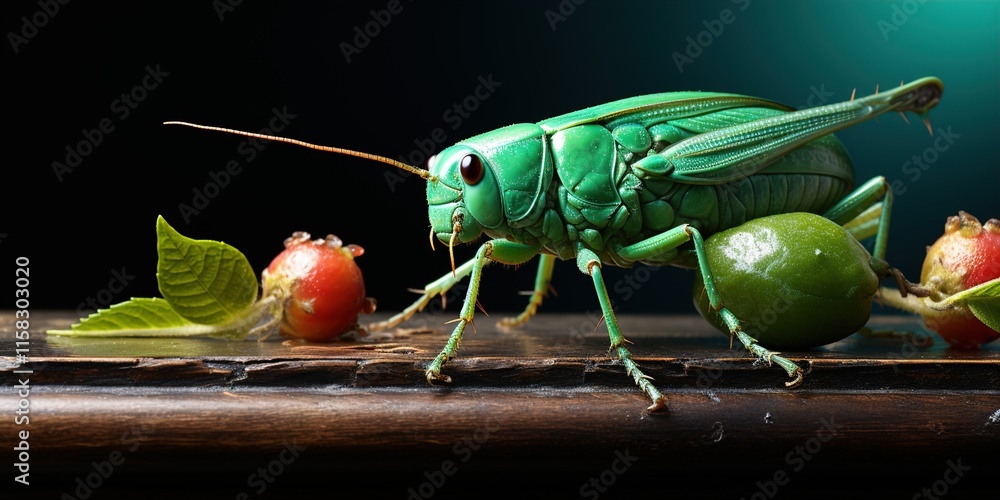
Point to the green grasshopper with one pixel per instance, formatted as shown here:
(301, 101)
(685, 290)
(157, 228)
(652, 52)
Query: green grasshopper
(644, 180)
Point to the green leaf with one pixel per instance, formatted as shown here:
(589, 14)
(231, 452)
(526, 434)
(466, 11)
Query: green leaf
(139, 317)
(154, 317)
(988, 312)
(205, 281)
(983, 300)
(984, 291)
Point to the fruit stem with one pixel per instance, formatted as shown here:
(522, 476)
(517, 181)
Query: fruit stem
(910, 303)
(265, 316)
(260, 320)
(883, 270)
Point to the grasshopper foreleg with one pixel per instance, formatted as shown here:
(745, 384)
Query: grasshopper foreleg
(440, 286)
(502, 251)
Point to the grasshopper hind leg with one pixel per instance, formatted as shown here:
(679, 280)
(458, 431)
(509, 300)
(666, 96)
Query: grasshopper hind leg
(672, 239)
(865, 213)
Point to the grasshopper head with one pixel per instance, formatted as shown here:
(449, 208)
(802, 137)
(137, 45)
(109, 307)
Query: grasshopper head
(450, 217)
(489, 183)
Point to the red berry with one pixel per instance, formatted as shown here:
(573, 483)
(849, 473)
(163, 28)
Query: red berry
(320, 287)
(966, 255)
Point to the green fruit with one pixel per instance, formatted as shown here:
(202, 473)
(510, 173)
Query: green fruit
(796, 281)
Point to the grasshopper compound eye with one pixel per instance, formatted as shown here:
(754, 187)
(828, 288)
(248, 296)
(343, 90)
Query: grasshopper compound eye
(471, 169)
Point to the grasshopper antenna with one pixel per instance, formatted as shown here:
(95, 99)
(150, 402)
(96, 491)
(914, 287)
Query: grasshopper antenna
(424, 174)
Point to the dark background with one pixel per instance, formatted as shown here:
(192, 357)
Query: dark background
(231, 67)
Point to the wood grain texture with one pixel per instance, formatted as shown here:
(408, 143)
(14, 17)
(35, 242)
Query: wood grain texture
(543, 404)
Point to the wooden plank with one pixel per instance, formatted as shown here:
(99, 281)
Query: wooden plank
(679, 352)
(544, 403)
(558, 438)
